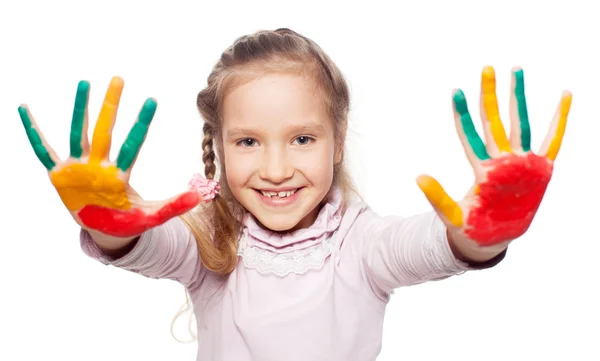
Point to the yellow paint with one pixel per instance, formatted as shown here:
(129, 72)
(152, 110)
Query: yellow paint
(490, 106)
(79, 185)
(102, 132)
(441, 200)
(477, 189)
(565, 106)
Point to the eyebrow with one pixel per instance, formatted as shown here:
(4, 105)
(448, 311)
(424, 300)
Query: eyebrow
(307, 128)
(235, 133)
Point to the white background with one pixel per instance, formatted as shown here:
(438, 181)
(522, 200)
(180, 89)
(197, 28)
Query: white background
(402, 62)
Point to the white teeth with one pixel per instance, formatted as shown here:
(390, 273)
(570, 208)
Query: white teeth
(278, 194)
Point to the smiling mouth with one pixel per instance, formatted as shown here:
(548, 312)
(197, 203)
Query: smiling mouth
(278, 194)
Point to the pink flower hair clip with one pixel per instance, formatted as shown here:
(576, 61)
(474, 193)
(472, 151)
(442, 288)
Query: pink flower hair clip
(208, 188)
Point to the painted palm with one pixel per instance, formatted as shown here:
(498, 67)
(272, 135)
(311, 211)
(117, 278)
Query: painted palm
(95, 190)
(510, 180)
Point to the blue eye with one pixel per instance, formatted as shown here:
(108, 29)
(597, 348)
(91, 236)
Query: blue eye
(248, 142)
(303, 140)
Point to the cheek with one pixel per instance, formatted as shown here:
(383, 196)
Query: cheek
(317, 165)
(239, 168)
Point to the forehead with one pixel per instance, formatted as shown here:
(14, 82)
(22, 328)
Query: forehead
(273, 102)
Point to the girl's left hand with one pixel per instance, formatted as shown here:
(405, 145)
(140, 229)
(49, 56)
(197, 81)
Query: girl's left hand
(510, 180)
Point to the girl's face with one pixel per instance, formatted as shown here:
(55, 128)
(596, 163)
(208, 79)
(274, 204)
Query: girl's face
(279, 149)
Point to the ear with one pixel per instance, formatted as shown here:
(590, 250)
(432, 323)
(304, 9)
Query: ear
(340, 146)
(338, 156)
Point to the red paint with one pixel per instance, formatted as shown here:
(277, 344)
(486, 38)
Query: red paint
(135, 221)
(509, 199)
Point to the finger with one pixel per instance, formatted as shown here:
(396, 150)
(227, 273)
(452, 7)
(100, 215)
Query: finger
(176, 206)
(136, 221)
(131, 147)
(440, 200)
(490, 116)
(42, 150)
(520, 131)
(101, 139)
(472, 144)
(553, 141)
(79, 123)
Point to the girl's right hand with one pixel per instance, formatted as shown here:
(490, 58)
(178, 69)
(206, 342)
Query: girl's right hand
(96, 191)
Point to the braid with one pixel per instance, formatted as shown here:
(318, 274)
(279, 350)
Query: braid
(208, 156)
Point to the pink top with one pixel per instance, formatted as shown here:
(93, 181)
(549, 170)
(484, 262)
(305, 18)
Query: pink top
(314, 294)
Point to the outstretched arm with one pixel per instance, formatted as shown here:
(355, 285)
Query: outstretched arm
(474, 233)
(510, 180)
(167, 251)
(399, 252)
(119, 226)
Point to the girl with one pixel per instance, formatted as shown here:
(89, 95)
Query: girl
(282, 259)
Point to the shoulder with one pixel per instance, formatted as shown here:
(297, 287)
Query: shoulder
(357, 217)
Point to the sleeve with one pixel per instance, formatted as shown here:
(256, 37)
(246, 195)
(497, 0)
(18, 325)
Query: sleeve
(406, 251)
(168, 251)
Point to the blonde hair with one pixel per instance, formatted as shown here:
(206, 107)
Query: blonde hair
(281, 50)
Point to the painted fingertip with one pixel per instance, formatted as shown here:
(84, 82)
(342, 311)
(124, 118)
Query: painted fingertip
(460, 102)
(519, 77)
(83, 86)
(488, 72)
(565, 102)
(566, 99)
(81, 98)
(521, 103)
(421, 180)
(427, 185)
(150, 104)
(117, 82)
(148, 111)
(488, 80)
(24, 114)
(190, 200)
(424, 179)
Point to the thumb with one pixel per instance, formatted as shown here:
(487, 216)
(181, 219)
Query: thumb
(175, 206)
(442, 203)
(199, 190)
(135, 221)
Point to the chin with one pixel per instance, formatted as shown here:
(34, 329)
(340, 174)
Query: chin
(279, 223)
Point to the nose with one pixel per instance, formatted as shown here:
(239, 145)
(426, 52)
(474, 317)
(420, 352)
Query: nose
(276, 166)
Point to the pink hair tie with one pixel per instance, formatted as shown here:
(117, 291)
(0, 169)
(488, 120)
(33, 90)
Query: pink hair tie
(208, 188)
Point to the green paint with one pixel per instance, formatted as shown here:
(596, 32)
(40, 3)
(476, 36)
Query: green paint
(522, 109)
(35, 140)
(137, 135)
(81, 100)
(460, 104)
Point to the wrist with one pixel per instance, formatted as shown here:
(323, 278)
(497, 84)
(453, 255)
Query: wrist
(114, 247)
(468, 251)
